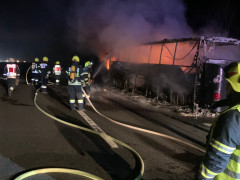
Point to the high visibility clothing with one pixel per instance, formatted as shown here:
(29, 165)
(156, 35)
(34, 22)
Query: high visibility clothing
(75, 84)
(45, 71)
(35, 68)
(86, 76)
(233, 76)
(222, 159)
(11, 71)
(35, 72)
(57, 69)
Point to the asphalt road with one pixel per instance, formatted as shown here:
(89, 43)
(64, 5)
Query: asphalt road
(30, 139)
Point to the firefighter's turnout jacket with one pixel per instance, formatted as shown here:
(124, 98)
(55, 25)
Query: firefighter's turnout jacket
(11, 71)
(86, 76)
(222, 159)
(45, 72)
(86, 83)
(75, 84)
(35, 72)
(57, 70)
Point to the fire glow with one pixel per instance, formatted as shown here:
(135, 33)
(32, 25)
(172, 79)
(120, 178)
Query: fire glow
(173, 53)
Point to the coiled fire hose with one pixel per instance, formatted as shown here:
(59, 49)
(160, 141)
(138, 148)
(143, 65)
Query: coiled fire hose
(141, 129)
(74, 171)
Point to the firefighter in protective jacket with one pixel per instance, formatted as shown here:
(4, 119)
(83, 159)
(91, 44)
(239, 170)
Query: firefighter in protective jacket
(11, 72)
(222, 158)
(45, 72)
(35, 72)
(57, 70)
(75, 84)
(87, 80)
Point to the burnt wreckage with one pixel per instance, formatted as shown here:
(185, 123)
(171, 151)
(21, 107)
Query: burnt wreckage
(181, 71)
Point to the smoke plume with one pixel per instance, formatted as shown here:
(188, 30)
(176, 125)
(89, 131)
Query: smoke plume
(102, 26)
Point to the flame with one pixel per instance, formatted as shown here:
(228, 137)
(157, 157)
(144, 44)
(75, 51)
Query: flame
(109, 61)
(107, 64)
(150, 54)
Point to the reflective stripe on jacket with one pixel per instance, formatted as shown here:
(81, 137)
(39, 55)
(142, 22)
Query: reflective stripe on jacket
(11, 71)
(35, 68)
(86, 76)
(222, 159)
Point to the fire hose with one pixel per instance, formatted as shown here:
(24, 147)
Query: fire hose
(30, 67)
(27, 75)
(141, 129)
(103, 135)
(74, 171)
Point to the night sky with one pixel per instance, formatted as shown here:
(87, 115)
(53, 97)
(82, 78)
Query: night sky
(60, 29)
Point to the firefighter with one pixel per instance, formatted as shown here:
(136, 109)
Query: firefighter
(11, 72)
(75, 84)
(45, 72)
(87, 80)
(222, 158)
(35, 72)
(57, 72)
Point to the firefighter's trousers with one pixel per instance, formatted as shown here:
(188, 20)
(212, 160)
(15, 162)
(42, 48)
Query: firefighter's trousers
(35, 78)
(11, 82)
(57, 79)
(75, 92)
(44, 81)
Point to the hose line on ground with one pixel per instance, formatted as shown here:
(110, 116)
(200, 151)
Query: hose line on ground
(27, 75)
(72, 171)
(141, 129)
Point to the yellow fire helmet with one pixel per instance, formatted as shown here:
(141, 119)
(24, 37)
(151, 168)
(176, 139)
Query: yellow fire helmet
(233, 76)
(87, 63)
(45, 59)
(36, 59)
(57, 62)
(75, 58)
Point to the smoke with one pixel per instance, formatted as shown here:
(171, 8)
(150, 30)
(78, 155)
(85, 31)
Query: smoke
(101, 26)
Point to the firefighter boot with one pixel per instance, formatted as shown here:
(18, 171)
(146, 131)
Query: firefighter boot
(57, 82)
(72, 106)
(10, 90)
(80, 107)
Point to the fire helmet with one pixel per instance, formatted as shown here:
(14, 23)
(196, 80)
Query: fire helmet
(11, 60)
(36, 59)
(45, 59)
(75, 58)
(57, 62)
(232, 73)
(87, 63)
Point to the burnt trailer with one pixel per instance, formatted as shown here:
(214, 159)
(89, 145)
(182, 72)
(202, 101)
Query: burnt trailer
(185, 71)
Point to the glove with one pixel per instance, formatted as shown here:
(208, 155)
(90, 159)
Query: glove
(47, 76)
(92, 80)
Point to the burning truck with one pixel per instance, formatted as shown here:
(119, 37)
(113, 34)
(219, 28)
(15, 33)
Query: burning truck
(185, 71)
